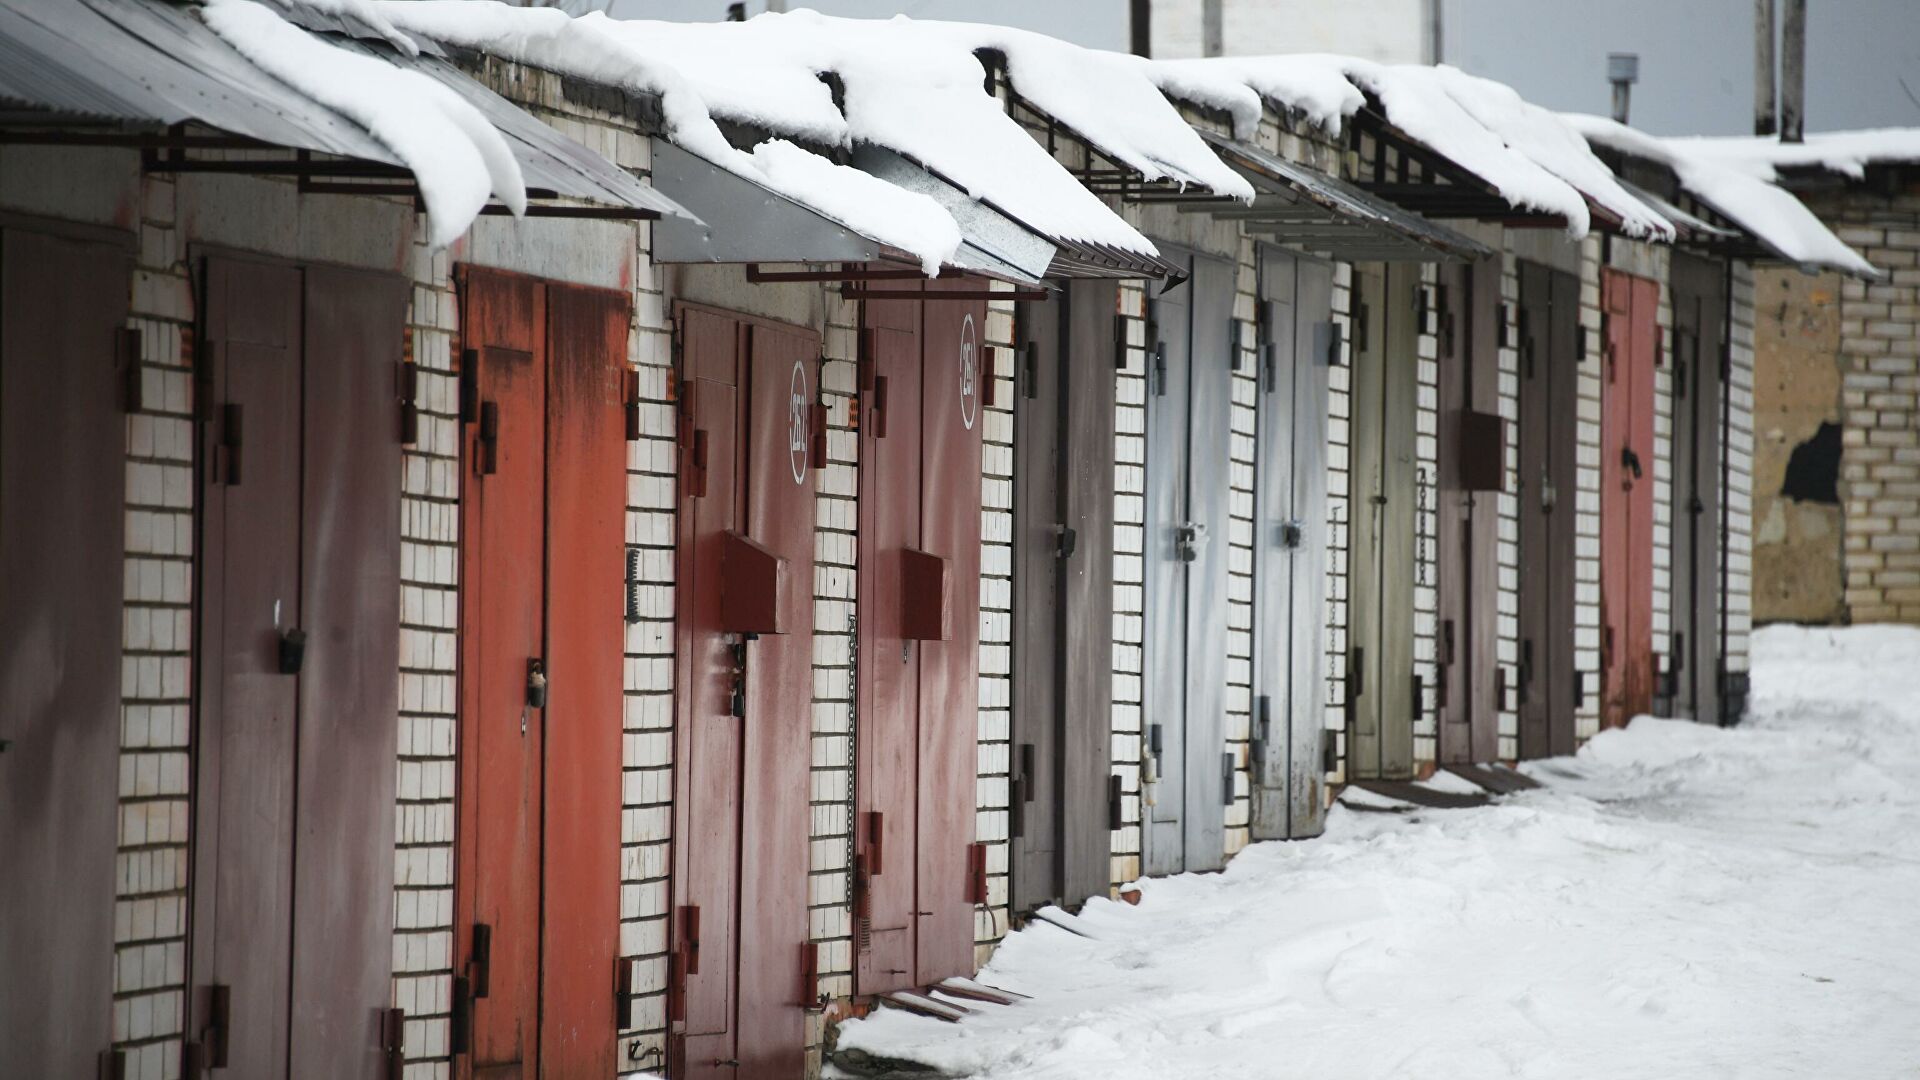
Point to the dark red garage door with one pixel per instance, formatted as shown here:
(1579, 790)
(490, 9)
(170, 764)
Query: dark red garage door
(291, 934)
(1626, 496)
(63, 302)
(745, 586)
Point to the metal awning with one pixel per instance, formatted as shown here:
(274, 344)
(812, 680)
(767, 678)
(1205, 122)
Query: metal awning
(990, 242)
(1691, 225)
(131, 72)
(1307, 210)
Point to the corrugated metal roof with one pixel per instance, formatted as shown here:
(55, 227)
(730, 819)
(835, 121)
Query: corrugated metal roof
(1304, 208)
(155, 63)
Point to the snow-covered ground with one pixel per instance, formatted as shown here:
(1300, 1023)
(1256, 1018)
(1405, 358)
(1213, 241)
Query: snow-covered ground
(1681, 901)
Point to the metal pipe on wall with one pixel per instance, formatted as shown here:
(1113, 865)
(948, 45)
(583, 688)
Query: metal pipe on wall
(1793, 71)
(1213, 37)
(1140, 27)
(1763, 105)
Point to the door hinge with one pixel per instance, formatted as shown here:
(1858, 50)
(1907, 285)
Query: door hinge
(486, 457)
(1262, 721)
(393, 1042)
(990, 376)
(630, 401)
(626, 993)
(469, 385)
(876, 842)
(817, 435)
(1114, 795)
(1030, 371)
(1500, 686)
(1502, 336)
(408, 390)
(1336, 337)
(213, 1036)
(1158, 375)
(1236, 356)
(1360, 329)
(676, 987)
(460, 1020)
(1226, 778)
(1329, 752)
(1579, 689)
(880, 393)
(869, 359)
(696, 468)
(1526, 672)
(480, 961)
(112, 1065)
(1357, 674)
(232, 428)
(690, 938)
(976, 873)
(127, 341)
(1422, 305)
(1119, 342)
(1270, 366)
(1419, 697)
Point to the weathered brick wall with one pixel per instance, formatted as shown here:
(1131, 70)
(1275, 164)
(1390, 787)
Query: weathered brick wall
(1738, 498)
(994, 782)
(1129, 577)
(1880, 436)
(1508, 502)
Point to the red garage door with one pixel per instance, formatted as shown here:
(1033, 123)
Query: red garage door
(63, 303)
(1626, 496)
(745, 588)
(537, 881)
(298, 658)
(917, 871)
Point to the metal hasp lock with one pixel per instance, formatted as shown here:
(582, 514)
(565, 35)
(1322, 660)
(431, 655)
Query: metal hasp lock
(1189, 539)
(1150, 767)
(1291, 533)
(1066, 541)
(1630, 460)
(536, 684)
(293, 650)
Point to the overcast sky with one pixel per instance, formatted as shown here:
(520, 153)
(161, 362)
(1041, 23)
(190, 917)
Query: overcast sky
(1696, 56)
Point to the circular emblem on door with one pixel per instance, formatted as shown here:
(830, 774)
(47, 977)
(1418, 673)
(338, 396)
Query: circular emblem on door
(969, 374)
(797, 422)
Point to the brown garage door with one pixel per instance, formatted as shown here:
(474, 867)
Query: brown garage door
(297, 667)
(745, 588)
(1626, 496)
(1547, 686)
(63, 302)
(542, 648)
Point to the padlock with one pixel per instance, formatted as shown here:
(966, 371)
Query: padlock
(293, 650)
(536, 685)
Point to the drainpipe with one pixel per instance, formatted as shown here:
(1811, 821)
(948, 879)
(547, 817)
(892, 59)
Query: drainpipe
(1793, 71)
(1763, 116)
(1435, 54)
(1623, 70)
(1140, 27)
(1213, 37)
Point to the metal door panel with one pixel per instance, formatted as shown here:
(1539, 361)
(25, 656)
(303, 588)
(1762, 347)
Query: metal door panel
(1275, 533)
(1467, 522)
(1164, 618)
(1699, 342)
(783, 381)
(1210, 432)
(1039, 632)
(1086, 599)
(1400, 489)
(250, 596)
(708, 820)
(949, 670)
(503, 608)
(1306, 707)
(586, 458)
(62, 480)
(888, 680)
(1626, 499)
(349, 702)
(1544, 678)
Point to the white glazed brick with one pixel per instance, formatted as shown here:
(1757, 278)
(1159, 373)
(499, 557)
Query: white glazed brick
(996, 632)
(1508, 647)
(1243, 418)
(1738, 599)
(1128, 579)
(1426, 598)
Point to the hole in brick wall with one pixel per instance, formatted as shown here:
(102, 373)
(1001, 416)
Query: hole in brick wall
(1813, 470)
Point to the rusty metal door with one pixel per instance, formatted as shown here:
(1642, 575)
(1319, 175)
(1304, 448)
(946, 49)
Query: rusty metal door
(1383, 486)
(1290, 547)
(291, 935)
(495, 1025)
(888, 688)
(1692, 679)
(1189, 406)
(950, 400)
(745, 575)
(1473, 461)
(349, 696)
(1546, 686)
(63, 303)
(1059, 832)
(542, 649)
(1631, 305)
(917, 870)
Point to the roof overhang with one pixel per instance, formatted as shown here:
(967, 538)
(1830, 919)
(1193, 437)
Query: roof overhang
(1309, 211)
(139, 73)
(1412, 175)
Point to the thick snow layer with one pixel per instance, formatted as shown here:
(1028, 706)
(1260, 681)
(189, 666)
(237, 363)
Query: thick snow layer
(455, 155)
(1524, 152)
(1742, 189)
(1680, 901)
(1845, 152)
(607, 51)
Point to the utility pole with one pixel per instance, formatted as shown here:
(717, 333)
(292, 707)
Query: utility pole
(1435, 54)
(1793, 72)
(1213, 35)
(1763, 103)
(1140, 27)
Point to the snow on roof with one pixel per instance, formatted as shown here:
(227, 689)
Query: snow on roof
(602, 50)
(1524, 152)
(457, 157)
(1845, 152)
(1743, 193)
(1107, 98)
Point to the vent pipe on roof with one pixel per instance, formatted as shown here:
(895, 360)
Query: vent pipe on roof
(1763, 117)
(1140, 27)
(1793, 72)
(1623, 70)
(1213, 36)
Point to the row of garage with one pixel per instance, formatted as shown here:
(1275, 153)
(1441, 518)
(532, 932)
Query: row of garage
(657, 625)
